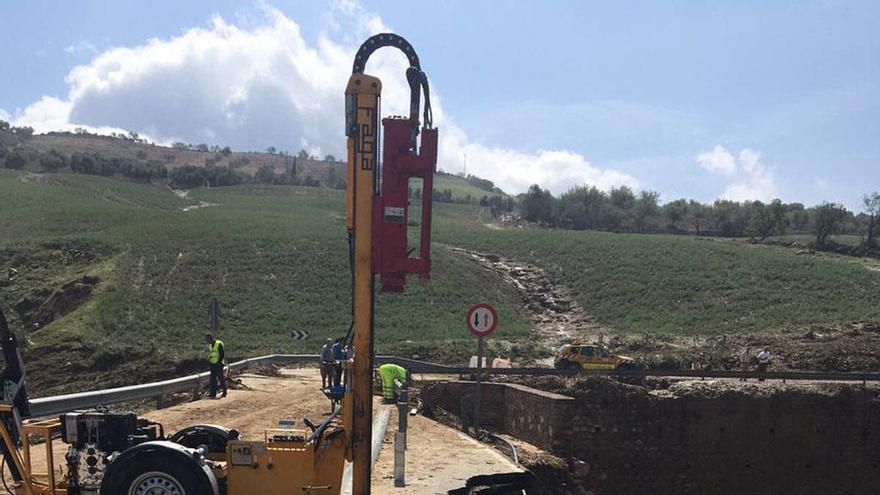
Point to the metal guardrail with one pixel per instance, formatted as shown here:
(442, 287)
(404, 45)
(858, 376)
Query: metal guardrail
(47, 406)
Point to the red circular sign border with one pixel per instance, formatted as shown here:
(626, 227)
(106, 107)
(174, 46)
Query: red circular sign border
(470, 312)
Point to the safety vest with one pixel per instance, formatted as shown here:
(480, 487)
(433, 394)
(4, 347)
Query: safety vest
(214, 350)
(389, 372)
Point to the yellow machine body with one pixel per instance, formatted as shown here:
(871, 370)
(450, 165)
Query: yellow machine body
(283, 467)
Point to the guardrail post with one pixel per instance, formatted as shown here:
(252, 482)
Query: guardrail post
(400, 436)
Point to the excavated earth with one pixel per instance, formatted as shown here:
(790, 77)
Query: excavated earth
(554, 313)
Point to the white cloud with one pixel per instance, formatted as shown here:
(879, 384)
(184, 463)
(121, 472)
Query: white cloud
(750, 178)
(4, 115)
(717, 160)
(53, 114)
(265, 85)
(81, 48)
(515, 171)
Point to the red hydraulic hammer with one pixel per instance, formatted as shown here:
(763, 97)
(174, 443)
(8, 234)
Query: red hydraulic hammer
(391, 256)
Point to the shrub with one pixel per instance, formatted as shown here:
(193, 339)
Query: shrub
(15, 161)
(53, 161)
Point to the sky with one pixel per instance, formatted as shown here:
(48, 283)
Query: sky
(728, 99)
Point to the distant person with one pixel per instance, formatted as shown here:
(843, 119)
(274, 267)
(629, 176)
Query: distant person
(338, 358)
(217, 358)
(745, 361)
(328, 368)
(389, 372)
(763, 362)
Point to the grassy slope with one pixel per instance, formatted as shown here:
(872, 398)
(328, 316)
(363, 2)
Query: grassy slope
(460, 188)
(274, 256)
(684, 285)
(172, 158)
(845, 239)
(316, 169)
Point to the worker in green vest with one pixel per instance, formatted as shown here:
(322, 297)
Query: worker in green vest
(389, 372)
(217, 358)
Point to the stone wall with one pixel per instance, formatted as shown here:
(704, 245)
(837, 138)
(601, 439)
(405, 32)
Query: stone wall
(782, 440)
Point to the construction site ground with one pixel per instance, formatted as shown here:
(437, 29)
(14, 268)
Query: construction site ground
(438, 458)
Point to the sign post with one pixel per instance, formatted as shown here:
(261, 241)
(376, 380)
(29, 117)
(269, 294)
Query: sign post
(481, 321)
(214, 315)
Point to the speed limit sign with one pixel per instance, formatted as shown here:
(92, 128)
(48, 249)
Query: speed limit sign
(482, 320)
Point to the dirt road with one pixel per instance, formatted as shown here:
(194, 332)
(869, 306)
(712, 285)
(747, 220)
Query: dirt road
(294, 394)
(439, 458)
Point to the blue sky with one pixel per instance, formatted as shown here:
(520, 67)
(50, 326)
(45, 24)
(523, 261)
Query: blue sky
(693, 99)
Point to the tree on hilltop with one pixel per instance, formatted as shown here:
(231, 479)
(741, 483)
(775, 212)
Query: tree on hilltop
(871, 204)
(828, 220)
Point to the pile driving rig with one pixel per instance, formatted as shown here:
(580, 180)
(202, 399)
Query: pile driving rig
(118, 453)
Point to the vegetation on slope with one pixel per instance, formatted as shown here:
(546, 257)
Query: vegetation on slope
(683, 286)
(106, 274)
(276, 258)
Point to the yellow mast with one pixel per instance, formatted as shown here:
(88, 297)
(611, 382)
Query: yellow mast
(362, 128)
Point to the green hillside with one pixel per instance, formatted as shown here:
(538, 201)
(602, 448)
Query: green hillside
(682, 285)
(106, 274)
(275, 256)
(462, 190)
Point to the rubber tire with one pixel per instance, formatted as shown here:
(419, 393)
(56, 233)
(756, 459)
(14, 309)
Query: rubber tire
(564, 364)
(211, 436)
(190, 480)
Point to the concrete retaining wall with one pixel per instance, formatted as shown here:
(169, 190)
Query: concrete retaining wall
(760, 441)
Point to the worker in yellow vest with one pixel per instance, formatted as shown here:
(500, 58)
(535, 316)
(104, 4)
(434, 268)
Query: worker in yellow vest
(389, 372)
(217, 358)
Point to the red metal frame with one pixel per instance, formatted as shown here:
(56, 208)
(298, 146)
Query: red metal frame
(391, 257)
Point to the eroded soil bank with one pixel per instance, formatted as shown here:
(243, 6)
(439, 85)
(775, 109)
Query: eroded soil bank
(687, 437)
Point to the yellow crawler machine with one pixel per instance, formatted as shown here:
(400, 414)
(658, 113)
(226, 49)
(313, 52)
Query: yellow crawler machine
(590, 357)
(117, 453)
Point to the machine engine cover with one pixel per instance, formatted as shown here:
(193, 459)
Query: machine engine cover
(107, 431)
(95, 436)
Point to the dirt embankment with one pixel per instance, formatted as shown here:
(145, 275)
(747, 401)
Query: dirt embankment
(555, 314)
(47, 281)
